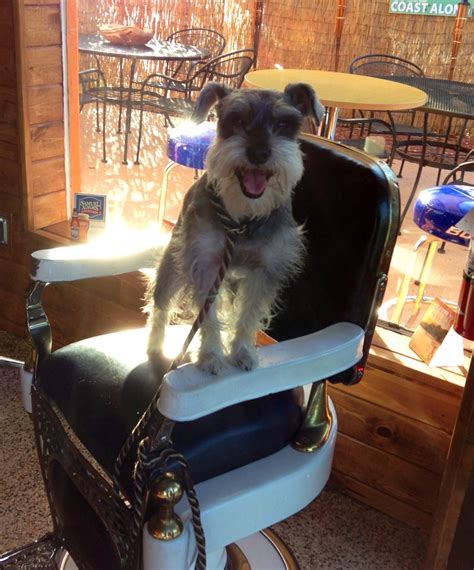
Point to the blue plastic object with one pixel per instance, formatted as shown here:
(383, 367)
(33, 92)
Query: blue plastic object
(440, 208)
(188, 143)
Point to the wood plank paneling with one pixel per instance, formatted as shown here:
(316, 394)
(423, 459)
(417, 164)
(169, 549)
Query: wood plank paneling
(48, 176)
(7, 67)
(11, 203)
(8, 133)
(9, 183)
(46, 104)
(13, 273)
(392, 433)
(47, 141)
(42, 25)
(109, 315)
(7, 38)
(44, 66)
(11, 306)
(9, 151)
(41, 2)
(387, 473)
(407, 397)
(49, 209)
(381, 501)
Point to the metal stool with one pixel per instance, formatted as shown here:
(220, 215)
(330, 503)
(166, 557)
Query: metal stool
(437, 211)
(187, 146)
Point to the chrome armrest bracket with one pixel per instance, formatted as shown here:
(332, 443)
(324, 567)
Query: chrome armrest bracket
(37, 323)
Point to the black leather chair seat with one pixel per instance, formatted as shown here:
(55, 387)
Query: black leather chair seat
(103, 385)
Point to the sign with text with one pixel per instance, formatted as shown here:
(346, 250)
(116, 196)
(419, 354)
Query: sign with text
(94, 205)
(426, 7)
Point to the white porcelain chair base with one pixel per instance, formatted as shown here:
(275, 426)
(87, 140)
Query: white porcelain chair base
(265, 550)
(230, 511)
(260, 550)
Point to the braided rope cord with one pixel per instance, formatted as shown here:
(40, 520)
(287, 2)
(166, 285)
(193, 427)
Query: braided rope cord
(154, 436)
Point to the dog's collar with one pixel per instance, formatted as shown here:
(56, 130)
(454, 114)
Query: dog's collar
(246, 227)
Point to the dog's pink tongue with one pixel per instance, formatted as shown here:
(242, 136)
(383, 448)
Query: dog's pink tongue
(255, 182)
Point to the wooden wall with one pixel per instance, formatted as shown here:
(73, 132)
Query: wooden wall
(395, 429)
(32, 155)
(41, 80)
(11, 182)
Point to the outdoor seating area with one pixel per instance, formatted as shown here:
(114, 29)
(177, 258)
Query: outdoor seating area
(199, 365)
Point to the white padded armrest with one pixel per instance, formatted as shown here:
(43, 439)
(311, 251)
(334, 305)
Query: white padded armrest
(187, 393)
(99, 259)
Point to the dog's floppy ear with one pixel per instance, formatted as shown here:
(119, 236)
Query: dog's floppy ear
(209, 95)
(303, 97)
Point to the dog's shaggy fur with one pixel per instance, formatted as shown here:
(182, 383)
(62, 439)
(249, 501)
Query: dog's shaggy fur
(252, 166)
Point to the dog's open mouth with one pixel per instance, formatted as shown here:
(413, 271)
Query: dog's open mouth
(253, 181)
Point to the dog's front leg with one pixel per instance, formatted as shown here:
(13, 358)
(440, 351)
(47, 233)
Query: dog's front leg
(167, 284)
(211, 353)
(253, 303)
(204, 272)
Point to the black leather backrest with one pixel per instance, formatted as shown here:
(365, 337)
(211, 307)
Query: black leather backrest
(349, 205)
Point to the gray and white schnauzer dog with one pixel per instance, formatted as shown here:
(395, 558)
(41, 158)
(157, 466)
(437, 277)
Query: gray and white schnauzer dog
(252, 167)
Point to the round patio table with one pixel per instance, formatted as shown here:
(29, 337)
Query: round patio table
(153, 50)
(342, 91)
(454, 100)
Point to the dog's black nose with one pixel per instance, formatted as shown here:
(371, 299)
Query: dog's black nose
(258, 155)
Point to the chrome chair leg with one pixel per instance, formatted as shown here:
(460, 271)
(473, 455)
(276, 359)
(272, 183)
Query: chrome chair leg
(163, 193)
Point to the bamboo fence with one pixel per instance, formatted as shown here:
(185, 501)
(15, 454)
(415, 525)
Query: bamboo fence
(303, 33)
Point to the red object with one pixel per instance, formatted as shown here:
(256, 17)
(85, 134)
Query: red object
(464, 321)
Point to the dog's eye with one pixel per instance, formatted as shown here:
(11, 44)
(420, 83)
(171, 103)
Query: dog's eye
(284, 127)
(282, 124)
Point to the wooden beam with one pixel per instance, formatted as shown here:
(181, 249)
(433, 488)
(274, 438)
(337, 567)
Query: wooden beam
(455, 482)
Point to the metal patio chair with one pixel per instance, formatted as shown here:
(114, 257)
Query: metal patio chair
(174, 98)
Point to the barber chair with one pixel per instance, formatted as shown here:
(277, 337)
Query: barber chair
(258, 445)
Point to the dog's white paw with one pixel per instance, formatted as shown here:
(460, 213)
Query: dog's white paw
(244, 357)
(211, 363)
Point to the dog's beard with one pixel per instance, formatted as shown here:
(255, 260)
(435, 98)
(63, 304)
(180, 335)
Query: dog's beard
(226, 161)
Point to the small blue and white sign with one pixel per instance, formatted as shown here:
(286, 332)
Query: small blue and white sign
(94, 205)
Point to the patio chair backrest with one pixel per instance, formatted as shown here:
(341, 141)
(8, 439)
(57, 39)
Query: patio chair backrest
(199, 37)
(228, 68)
(457, 174)
(383, 65)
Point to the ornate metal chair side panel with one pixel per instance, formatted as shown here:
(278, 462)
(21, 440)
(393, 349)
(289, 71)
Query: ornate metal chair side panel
(64, 466)
(39, 554)
(68, 467)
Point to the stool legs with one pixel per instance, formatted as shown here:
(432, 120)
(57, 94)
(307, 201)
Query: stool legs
(163, 194)
(422, 281)
(425, 271)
